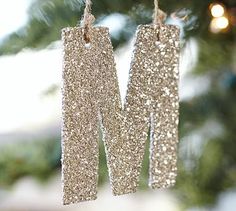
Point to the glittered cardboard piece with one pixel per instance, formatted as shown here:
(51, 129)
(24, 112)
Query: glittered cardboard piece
(91, 96)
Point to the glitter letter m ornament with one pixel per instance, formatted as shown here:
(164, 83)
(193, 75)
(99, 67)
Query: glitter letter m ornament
(91, 98)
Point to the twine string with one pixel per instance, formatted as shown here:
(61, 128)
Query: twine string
(159, 16)
(87, 20)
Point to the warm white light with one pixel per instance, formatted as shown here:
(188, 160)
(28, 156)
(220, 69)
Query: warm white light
(217, 10)
(219, 24)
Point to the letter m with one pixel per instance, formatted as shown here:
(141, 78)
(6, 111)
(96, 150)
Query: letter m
(91, 100)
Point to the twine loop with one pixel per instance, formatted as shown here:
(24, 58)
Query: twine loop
(159, 16)
(87, 20)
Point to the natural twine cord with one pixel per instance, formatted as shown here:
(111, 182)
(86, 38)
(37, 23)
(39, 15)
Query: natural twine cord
(159, 16)
(87, 20)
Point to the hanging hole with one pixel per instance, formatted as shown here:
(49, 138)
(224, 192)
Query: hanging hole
(157, 28)
(158, 36)
(88, 45)
(86, 37)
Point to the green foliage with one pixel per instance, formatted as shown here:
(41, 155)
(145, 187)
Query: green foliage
(214, 171)
(103, 171)
(37, 158)
(47, 18)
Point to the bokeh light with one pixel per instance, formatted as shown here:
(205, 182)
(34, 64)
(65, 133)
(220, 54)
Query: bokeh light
(217, 10)
(219, 24)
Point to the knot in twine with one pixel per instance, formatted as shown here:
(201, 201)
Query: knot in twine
(159, 16)
(88, 20)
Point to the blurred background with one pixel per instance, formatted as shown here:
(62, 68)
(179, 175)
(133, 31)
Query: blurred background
(30, 103)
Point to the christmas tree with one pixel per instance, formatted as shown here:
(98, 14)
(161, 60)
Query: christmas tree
(207, 158)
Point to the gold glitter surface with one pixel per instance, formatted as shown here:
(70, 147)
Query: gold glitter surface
(91, 95)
